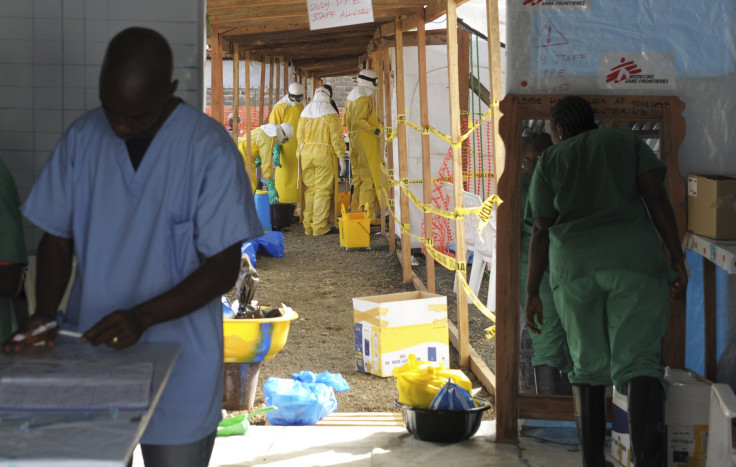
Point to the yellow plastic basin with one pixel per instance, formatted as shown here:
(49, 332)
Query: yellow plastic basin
(256, 340)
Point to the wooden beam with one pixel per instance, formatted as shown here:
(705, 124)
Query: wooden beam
(261, 120)
(494, 72)
(477, 365)
(236, 94)
(457, 175)
(270, 83)
(387, 118)
(546, 407)
(278, 77)
(381, 139)
(463, 77)
(286, 75)
(216, 98)
(426, 157)
(432, 37)
(249, 156)
(403, 162)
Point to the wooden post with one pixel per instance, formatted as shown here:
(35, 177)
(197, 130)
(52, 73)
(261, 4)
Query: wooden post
(270, 83)
(236, 93)
(216, 98)
(261, 119)
(314, 85)
(390, 148)
(463, 76)
(426, 167)
(494, 70)
(382, 138)
(457, 179)
(403, 164)
(286, 74)
(249, 157)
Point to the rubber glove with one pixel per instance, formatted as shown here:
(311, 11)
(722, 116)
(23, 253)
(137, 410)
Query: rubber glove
(258, 161)
(378, 132)
(277, 155)
(273, 195)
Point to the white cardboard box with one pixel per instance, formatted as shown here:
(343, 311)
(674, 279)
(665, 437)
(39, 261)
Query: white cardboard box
(620, 442)
(390, 327)
(686, 422)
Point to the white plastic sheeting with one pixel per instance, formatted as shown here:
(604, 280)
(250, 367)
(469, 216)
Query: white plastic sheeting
(635, 47)
(438, 102)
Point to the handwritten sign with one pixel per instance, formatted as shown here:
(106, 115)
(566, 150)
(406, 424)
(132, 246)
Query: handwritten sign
(334, 13)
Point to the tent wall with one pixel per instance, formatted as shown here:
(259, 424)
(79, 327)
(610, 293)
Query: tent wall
(51, 53)
(439, 117)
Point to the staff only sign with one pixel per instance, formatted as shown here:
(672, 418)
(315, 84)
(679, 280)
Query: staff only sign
(333, 13)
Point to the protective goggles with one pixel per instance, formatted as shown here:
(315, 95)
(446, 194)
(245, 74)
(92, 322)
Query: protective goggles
(372, 80)
(295, 97)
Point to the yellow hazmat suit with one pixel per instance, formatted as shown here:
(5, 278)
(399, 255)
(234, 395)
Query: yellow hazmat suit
(262, 141)
(286, 175)
(320, 144)
(365, 160)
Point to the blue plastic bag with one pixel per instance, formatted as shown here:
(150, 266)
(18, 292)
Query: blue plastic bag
(452, 397)
(334, 380)
(297, 402)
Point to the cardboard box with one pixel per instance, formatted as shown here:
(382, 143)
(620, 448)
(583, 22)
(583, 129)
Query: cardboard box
(620, 441)
(711, 206)
(686, 414)
(390, 327)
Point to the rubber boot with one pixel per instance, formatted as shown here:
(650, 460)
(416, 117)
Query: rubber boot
(547, 379)
(590, 417)
(646, 421)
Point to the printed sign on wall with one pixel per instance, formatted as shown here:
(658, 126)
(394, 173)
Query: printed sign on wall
(534, 5)
(637, 70)
(334, 13)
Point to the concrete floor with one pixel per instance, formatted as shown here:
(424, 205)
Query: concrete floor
(378, 446)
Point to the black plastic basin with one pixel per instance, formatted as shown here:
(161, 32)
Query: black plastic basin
(443, 426)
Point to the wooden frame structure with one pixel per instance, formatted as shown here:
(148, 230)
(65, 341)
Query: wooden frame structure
(277, 32)
(667, 111)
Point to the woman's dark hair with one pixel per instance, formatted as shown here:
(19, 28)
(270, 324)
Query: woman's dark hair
(535, 141)
(574, 114)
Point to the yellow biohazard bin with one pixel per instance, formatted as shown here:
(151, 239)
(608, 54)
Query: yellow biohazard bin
(355, 229)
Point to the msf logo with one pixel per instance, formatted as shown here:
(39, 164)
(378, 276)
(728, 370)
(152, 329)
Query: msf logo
(532, 2)
(623, 71)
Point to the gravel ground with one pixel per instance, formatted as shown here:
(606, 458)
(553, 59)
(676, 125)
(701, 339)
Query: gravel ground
(318, 279)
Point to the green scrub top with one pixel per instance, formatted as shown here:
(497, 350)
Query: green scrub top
(588, 184)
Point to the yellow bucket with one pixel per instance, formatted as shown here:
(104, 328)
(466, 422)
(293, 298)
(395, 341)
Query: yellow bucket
(256, 340)
(355, 229)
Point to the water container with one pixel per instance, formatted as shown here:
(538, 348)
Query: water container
(263, 208)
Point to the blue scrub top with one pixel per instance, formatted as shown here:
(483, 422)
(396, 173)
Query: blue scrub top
(137, 234)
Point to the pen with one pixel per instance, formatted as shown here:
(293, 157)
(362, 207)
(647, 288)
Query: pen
(36, 331)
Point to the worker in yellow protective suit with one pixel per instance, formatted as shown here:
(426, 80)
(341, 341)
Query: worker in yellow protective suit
(363, 131)
(320, 144)
(287, 110)
(262, 141)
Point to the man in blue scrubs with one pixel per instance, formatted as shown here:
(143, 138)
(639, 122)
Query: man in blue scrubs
(151, 196)
(599, 202)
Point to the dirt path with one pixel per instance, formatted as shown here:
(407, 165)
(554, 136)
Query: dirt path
(318, 279)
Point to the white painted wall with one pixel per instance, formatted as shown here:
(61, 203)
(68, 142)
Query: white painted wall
(51, 52)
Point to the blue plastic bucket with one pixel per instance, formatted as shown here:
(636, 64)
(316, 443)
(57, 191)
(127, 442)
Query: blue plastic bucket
(263, 208)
